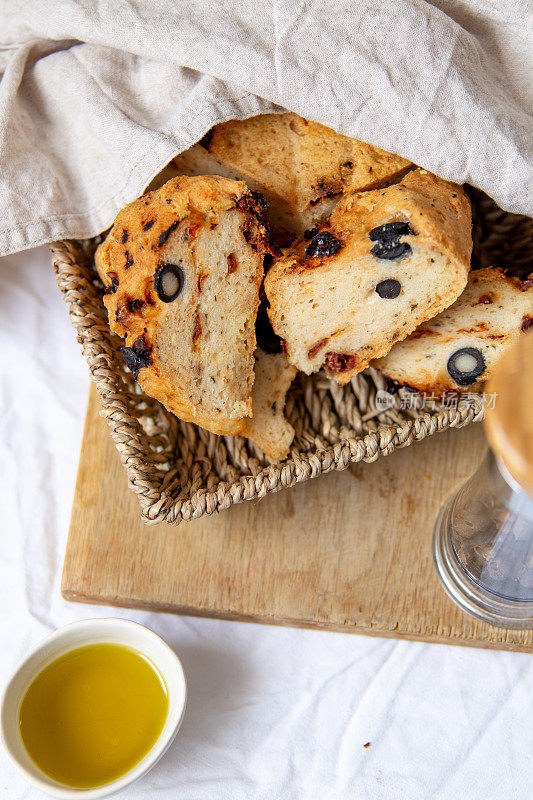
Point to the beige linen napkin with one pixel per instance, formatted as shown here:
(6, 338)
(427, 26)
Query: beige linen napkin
(96, 97)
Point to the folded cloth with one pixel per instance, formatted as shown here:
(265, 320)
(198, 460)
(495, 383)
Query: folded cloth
(96, 97)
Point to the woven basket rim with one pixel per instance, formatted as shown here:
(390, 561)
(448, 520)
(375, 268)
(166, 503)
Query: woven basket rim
(334, 457)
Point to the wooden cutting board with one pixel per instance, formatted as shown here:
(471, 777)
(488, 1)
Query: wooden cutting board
(349, 551)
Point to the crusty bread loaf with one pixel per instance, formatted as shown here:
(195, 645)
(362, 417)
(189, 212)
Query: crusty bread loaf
(459, 348)
(385, 261)
(183, 266)
(268, 427)
(301, 167)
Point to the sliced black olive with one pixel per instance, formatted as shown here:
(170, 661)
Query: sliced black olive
(387, 238)
(137, 356)
(168, 282)
(466, 365)
(389, 289)
(390, 231)
(323, 244)
(391, 252)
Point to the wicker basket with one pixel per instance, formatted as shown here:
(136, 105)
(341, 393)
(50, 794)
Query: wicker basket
(180, 471)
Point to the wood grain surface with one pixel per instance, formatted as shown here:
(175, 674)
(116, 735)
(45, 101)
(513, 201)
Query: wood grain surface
(349, 551)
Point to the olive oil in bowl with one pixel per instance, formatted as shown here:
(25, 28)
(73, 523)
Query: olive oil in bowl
(92, 714)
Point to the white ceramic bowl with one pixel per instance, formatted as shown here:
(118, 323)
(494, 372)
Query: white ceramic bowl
(78, 634)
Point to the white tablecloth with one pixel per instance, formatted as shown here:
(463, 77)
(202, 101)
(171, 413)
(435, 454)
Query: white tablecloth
(274, 713)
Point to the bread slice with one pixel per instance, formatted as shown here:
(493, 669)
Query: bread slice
(302, 168)
(384, 262)
(460, 347)
(268, 427)
(183, 266)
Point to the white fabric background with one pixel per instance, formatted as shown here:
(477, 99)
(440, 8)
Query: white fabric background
(273, 714)
(97, 96)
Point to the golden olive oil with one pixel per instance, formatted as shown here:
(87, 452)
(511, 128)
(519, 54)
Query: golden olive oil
(92, 714)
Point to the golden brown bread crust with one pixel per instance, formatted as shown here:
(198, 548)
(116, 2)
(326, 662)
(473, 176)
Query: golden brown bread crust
(295, 163)
(129, 258)
(438, 212)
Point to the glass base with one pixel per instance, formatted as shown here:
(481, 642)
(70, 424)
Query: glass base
(469, 595)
